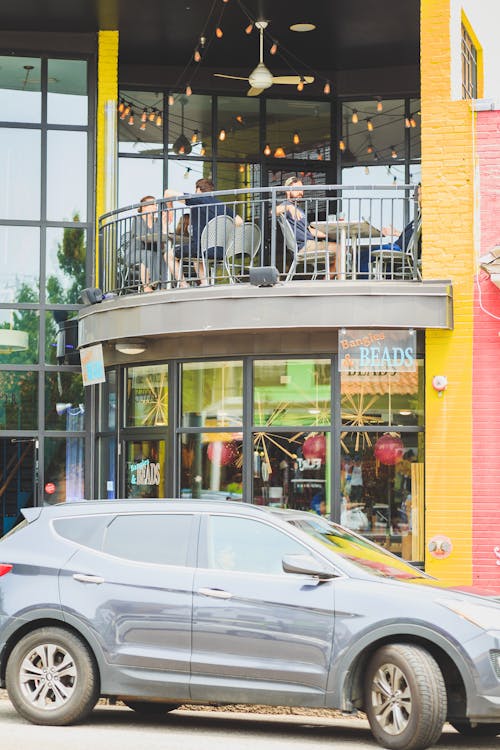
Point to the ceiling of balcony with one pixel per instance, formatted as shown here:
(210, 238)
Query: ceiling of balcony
(349, 34)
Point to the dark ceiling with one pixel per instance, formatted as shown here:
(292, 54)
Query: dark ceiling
(349, 34)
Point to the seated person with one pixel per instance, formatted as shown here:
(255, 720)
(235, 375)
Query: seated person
(309, 240)
(203, 207)
(145, 240)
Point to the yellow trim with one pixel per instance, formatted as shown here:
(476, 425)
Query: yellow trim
(107, 90)
(479, 52)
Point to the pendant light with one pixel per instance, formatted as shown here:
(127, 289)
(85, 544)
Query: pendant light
(182, 144)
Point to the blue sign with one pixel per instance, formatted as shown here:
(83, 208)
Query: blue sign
(92, 362)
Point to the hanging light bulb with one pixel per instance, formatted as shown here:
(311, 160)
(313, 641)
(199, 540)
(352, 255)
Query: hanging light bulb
(380, 106)
(319, 154)
(407, 122)
(194, 137)
(189, 90)
(203, 40)
(241, 168)
(369, 125)
(222, 135)
(369, 149)
(126, 111)
(296, 138)
(152, 115)
(144, 115)
(274, 48)
(121, 106)
(342, 144)
(413, 122)
(182, 150)
(249, 28)
(186, 173)
(394, 153)
(355, 118)
(131, 118)
(367, 170)
(279, 153)
(327, 88)
(197, 56)
(123, 114)
(203, 150)
(267, 150)
(239, 119)
(158, 120)
(300, 85)
(143, 126)
(171, 100)
(219, 33)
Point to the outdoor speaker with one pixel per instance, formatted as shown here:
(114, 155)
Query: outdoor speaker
(264, 276)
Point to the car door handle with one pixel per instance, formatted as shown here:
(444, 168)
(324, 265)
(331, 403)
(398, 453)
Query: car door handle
(216, 593)
(84, 578)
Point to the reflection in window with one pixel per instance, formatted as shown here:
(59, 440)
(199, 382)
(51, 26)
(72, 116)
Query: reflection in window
(19, 264)
(370, 133)
(66, 176)
(64, 470)
(147, 395)
(145, 468)
(64, 399)
(106, 467)
(159, 539)
(67, 92)
(211, 465)
(298, 129)
(292, 392)
(20, 170)
(108, 401)
(140, 123)
(66, 255)
(212, 394)
(238, 135)
(190, 125)
(53, 321)
(18, 400)
(20, 97)
(19, 331)
(138, 177)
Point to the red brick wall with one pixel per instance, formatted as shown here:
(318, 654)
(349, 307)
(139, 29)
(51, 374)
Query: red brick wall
(486, 368)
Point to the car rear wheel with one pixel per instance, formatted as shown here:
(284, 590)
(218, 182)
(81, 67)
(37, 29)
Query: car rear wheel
(51, 677)
(480, 730)
(405, 697)
(151, 708)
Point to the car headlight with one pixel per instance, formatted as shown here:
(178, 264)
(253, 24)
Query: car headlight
(484, 616)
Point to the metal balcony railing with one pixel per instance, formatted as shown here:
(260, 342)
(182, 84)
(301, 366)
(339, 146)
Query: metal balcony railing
(331, 232)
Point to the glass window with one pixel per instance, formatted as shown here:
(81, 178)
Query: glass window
(183, 174)
(57, 346)
(88, 531)
(236, 176)
(469, 66)
(66, 258)
(371, 134)
(147, 396)
(385, 398)
(18, 458)
(248, 546)
(298, 129)
(381, 485)
(64, 470)
(19, 332)
(20, 97)
(238, 126)
(383, 209)
(159, 539)
(18, 400)
(292, 391)
(108, 401)
(212, 394)
(106, 467)
(67, 92)
(137, 178)
(211, 465)
(140, 123)
(64, 397)
(145, 468)
(292, 470)
(190, 126)
(19, 264)
(66, 176)
(20, 170)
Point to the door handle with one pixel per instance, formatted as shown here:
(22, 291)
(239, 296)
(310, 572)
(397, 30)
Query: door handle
(216, 593)
(84, 578)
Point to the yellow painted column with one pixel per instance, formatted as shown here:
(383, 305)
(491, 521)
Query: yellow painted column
(106, 146)
(447, 253)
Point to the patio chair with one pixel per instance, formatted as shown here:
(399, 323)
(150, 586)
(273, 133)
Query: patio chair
(320, 259)
(240, 255)
(217, 239)
(400, 263)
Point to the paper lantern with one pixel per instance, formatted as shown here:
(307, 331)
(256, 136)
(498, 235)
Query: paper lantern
(221, 453)
(314, 447)
(388, 450)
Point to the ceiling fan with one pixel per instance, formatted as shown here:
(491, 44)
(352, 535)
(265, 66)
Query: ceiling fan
(261, 77)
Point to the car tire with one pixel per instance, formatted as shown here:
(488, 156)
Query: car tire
(480, 730)
(51, 677)
(151, 708)
(405, 697)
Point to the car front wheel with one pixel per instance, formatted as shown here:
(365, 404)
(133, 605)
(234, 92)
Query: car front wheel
(405, 697)
(51, 677)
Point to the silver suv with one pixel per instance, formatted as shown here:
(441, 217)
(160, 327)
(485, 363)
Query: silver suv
(161, 603)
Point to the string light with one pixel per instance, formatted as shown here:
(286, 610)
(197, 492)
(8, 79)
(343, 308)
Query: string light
(380, 106)
(319, 155)
(327, 88)
(355, 118)
(203, 150)
(369, 149)
(413, 122)
(367, 170)
(274, 48)
(126, 111)
(267, 149)
(158, 120)
(394, 153)
(189, 90)
(152, 115)
(203, 40)
(131, 118)
(144, 115)
(121, 106)
(369, 125)
(194, 137)
(197, 56)
(143, 126)
(171, 100)
(239, 119)
(222, 135)
(241, 169)
(407, 122)
(279, 153)
(219, 33)
(296, 138)
(342, 144)
(249, 28)
(300, 85)
(186, 173)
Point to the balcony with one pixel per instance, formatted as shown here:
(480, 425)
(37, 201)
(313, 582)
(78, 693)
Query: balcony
(263, 260)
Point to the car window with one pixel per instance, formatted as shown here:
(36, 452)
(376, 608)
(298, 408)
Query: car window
(249, 546)
(85, 530)
(153, 538)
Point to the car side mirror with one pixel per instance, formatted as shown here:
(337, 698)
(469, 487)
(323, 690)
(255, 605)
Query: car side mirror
(306, 565)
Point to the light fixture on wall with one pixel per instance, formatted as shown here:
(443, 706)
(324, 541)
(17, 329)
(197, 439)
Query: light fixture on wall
(131, 346)
(12, 341)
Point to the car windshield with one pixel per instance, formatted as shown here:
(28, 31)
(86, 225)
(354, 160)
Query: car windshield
(356, 549)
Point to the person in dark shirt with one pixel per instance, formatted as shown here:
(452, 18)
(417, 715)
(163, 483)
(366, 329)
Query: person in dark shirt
(203, 207)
